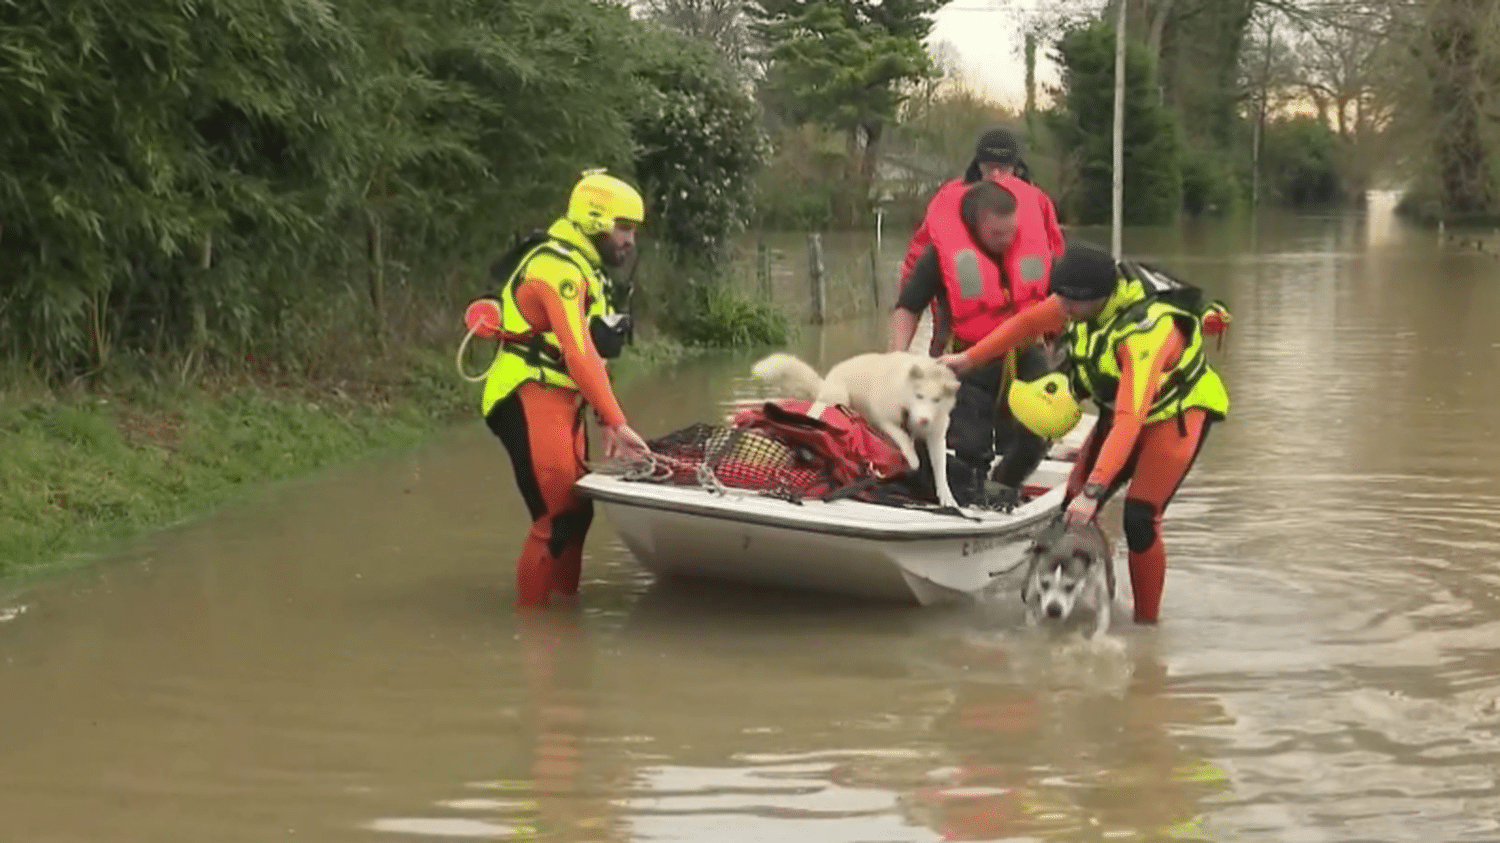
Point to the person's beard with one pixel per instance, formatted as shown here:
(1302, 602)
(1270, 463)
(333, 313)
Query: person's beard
(609, 254)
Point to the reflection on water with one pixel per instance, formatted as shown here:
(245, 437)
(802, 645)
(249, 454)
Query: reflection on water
(340, 662)
(796, 798)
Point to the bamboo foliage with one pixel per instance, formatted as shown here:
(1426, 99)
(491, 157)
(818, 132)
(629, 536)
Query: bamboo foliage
(225, 180)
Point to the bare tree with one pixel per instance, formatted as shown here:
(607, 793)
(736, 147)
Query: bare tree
(947, 58)
(941, 118)
(1040, 27)
(724, 23)
(1342, 58)
(1268, 77)
(1339, 68)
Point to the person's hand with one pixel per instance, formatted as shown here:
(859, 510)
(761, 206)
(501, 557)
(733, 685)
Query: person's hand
(624, 444)
(959, 363)
(1081, 511)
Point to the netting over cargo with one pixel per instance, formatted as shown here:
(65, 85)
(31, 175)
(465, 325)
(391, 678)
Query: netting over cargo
(750, 459)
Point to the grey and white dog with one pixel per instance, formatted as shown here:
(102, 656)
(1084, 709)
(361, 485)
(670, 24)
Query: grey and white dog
(1069, 568)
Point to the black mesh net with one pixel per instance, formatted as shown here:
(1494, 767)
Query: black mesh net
(749, 459)
(740, 458)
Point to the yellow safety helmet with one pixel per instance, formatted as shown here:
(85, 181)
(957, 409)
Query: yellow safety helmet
(1046, 405)
(599, 199)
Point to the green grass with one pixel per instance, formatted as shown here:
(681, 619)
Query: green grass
(83, 470)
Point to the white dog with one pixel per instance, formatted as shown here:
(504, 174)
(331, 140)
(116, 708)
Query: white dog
(903, 395)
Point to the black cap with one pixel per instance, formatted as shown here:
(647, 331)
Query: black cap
(997, 146)
(1084, 272)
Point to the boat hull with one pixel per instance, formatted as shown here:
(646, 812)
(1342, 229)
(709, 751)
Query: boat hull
(851, 548)
(937, 559)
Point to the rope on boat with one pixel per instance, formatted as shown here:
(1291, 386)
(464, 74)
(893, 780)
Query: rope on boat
(760, 466)
(653, 467)
(660, 468)
(1025, 558)
(709, 480)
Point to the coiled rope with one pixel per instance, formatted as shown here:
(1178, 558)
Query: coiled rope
(458, 360)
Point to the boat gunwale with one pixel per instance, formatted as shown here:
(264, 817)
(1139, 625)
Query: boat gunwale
(956, 529)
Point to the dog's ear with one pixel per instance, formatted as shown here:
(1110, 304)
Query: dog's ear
(916, 372)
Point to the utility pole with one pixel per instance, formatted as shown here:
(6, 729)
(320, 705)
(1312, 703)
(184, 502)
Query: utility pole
(1118, 191)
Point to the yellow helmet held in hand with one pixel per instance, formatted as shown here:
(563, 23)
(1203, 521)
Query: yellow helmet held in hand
(1046, 405)
(599, 199)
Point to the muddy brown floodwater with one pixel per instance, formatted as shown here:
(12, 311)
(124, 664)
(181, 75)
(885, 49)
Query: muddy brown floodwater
(339, 660)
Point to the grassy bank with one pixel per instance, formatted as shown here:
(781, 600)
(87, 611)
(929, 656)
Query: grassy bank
(84, 468)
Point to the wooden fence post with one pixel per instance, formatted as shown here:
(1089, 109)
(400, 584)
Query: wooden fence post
(817, 279)
(763, 267)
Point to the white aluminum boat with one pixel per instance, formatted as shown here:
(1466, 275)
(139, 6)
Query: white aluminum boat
(852, 548)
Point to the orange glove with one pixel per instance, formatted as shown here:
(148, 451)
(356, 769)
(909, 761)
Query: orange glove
(483, 317)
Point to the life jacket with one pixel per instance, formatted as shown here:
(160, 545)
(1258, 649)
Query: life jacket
(1158, 282)
(920, 240)
(833, 450)
(1144, 297)
(979, 300)
(527, 354)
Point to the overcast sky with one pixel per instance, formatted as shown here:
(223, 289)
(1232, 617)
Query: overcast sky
(987, 39)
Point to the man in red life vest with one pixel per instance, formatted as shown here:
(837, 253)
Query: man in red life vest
(997, 157)
(986, 264)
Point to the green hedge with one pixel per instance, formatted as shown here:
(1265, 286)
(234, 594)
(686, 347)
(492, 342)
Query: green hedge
(235, 183)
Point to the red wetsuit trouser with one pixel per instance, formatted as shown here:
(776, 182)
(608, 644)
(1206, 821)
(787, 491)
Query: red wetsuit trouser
(1163, 454)
(541, 427)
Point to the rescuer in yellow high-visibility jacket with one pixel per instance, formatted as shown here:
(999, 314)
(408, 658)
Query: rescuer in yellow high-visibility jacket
(555, 324)
(1136, 349)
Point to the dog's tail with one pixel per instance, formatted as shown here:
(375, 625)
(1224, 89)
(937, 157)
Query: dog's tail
(789, 374)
